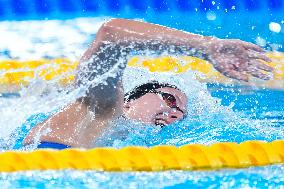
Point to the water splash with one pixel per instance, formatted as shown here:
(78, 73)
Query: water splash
(208, 121)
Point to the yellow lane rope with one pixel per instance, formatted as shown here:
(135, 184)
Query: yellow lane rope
(158, 158)
(14, 73)
(182, 64)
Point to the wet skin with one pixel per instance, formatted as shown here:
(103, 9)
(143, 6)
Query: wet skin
(152, 109)
(75, 125)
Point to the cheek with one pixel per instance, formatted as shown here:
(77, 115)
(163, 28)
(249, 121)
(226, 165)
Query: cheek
(144, 111)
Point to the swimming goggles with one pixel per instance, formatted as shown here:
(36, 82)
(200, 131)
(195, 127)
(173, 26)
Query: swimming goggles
(170, 100)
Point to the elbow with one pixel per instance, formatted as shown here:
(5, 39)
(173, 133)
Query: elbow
(109, 30)
(116, 22)
(104, 33)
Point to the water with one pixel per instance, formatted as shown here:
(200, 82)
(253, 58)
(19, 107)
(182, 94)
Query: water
(254, 177)
(217, 113)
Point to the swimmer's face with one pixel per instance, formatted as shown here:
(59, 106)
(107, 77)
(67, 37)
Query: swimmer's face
(162, 107)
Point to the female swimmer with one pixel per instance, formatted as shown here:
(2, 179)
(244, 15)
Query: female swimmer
(81, 122)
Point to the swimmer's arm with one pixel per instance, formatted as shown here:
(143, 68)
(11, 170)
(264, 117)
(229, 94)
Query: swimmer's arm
(233, 58)
(118, 37)
(136, 35)
(114, 42)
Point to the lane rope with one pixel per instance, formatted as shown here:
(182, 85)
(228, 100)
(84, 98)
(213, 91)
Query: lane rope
(158, 158)
(14, 73)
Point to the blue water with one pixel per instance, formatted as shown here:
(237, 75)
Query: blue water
(263, 105)
(242, 19)
(254, 177)
(258, 114)
(261, 109)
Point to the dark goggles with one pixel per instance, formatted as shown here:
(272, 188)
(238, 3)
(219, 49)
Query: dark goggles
(169, 99)
(152, 87)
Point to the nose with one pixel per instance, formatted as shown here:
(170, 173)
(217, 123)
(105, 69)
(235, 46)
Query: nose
(174, 115)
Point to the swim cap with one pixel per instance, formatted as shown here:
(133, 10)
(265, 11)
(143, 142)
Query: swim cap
(145, 88)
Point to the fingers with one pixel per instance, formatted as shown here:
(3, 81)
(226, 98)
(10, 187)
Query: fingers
(255, 69)
(244, 59)
(232, 73)
(237, 75)
(251, 46)
(260, 65)
(257, 73)
(247, 45)
(257, 55)
(265, 67)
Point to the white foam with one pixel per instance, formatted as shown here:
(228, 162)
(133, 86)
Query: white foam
(55, 38)
(28, 40)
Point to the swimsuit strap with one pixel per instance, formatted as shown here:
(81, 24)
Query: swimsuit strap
(53, 145)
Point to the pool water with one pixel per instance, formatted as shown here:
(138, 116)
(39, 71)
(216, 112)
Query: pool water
(217, 113)
(254, 177)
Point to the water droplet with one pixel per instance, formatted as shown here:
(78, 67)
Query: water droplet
(260, 41)
(211, 15)
(274, 27)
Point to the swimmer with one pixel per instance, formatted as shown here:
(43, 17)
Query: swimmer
(80, 123)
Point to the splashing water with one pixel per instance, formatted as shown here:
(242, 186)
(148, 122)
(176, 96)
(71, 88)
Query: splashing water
(208, 121)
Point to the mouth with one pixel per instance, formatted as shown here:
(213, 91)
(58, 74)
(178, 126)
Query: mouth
(161, 122)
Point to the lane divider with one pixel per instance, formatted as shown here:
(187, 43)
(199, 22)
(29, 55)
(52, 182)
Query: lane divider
(14, 74)
(158, 158)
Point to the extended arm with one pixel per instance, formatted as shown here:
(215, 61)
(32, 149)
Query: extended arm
(107, 57)
(118, 37)
(131, 34)
(234, 58)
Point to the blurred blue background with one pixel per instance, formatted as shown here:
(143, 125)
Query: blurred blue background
(258, 21)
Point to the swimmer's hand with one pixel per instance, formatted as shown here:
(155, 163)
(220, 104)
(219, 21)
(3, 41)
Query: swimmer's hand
(238, 59)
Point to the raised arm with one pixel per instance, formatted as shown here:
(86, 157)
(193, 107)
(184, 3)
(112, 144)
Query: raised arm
(234, 58)
(118, 37)
(131, 34)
